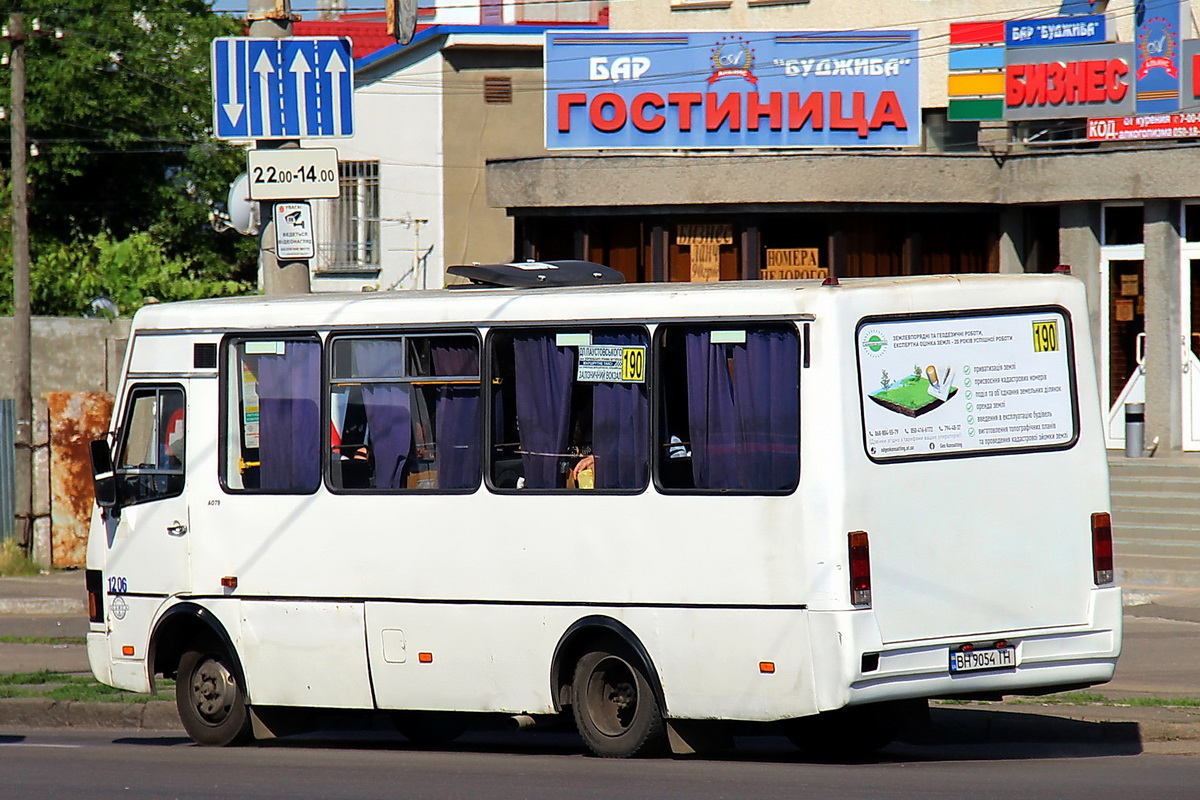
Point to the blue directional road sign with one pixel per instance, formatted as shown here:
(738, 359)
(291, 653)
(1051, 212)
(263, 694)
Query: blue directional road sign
(295, 88)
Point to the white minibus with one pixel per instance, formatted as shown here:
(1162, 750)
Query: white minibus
(654, 510)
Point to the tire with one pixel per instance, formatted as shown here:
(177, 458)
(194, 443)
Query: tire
(429, 728)
(210, 697)
(614, 705)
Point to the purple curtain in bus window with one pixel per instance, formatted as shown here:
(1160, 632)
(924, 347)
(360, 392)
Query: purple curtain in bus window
(544, 373)
(289, 422)
(766, 383)
(389, 419)
(743, 411)
(621, 426)
(457, 426)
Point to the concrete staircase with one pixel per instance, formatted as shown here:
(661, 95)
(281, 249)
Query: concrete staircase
(1156, 524)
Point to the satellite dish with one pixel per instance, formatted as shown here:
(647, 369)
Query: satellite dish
(243, 212)
(102, 308)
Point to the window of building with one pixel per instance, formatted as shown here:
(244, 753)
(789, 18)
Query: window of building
(272, 414)
(1191, 222)
(351, 241)
(404, 413)
(1123, 225)
(150, 455)
(729, 405)
(571, 409)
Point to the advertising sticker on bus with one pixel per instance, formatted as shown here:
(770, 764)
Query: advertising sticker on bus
(941, 387)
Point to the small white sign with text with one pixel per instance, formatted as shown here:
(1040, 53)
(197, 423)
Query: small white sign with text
(294, 238)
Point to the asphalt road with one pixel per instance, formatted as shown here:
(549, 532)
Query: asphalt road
(53, 764)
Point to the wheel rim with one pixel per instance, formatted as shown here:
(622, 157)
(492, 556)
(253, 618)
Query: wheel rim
(612, 696)
(213, 691)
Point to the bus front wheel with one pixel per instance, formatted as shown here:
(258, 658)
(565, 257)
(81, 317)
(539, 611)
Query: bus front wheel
(614, 705)
(210, 699)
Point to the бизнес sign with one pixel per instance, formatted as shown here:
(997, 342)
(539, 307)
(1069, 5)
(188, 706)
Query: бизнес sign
(732, 89)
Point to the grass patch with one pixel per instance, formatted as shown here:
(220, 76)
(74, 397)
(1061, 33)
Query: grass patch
(14, 563)
(1070, 699)
(1163, 702)
(1097, 699)
(43, 640)
(79, 688)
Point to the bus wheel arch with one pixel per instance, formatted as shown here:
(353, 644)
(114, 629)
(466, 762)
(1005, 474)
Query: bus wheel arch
(603, 671)
(181, 624)
(210, 690)
(578, 639)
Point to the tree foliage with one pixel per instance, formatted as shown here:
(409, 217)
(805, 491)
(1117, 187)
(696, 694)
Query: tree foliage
(126, 172)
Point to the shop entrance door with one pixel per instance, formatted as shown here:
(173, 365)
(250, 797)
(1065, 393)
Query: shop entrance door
(1123, 341)
(1190, 339)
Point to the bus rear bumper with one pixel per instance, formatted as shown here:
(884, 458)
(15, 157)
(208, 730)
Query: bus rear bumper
(1046, 660)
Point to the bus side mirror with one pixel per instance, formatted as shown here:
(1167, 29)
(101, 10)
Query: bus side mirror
(104, 481)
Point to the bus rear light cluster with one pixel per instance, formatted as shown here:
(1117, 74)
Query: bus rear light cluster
(860, 569)
(94, 581)
(1102, 548)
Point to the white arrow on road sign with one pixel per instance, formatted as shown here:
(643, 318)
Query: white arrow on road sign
(233, 104)
(283, 88)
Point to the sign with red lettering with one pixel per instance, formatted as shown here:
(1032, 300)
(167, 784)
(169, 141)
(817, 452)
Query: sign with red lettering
(1061, 82)
(607, 90)
(1149, 126)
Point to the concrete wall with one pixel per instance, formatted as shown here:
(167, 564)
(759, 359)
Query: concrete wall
(69, 356)
(565, 181)
(75, 355)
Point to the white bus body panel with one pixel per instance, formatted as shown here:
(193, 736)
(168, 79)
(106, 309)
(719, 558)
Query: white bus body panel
(337, 596)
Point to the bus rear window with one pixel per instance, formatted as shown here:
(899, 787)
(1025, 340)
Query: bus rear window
(973, 384)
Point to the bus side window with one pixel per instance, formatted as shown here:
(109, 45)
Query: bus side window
(570, 409)
(272, 414)
(404, 412)
(729, 404)
(150, 452)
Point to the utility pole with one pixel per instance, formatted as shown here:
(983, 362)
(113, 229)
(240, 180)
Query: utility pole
(272, 19)
(16, 35)
(22, 337)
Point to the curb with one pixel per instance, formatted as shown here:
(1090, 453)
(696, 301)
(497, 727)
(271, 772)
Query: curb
(39, 606)
(36, 712)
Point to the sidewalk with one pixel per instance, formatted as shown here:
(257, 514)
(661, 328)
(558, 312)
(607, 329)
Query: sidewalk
(1159, 662)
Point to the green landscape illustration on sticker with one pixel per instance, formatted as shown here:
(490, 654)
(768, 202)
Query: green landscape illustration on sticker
(918, 393)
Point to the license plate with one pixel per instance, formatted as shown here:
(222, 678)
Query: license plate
(976, 660)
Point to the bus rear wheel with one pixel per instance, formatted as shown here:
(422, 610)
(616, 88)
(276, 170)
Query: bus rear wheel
(209, 696)
(614, 705)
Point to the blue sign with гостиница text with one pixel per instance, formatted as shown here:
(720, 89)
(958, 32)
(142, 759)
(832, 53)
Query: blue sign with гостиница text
(732, 89)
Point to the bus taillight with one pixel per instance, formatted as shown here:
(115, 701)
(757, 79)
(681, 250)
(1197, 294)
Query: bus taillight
(94, 581)
(1102, 548)
(860, 569)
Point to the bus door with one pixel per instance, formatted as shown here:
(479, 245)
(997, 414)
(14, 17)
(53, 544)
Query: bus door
(147, 558)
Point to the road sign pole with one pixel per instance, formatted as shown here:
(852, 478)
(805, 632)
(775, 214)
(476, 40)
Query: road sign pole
(273, 19)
